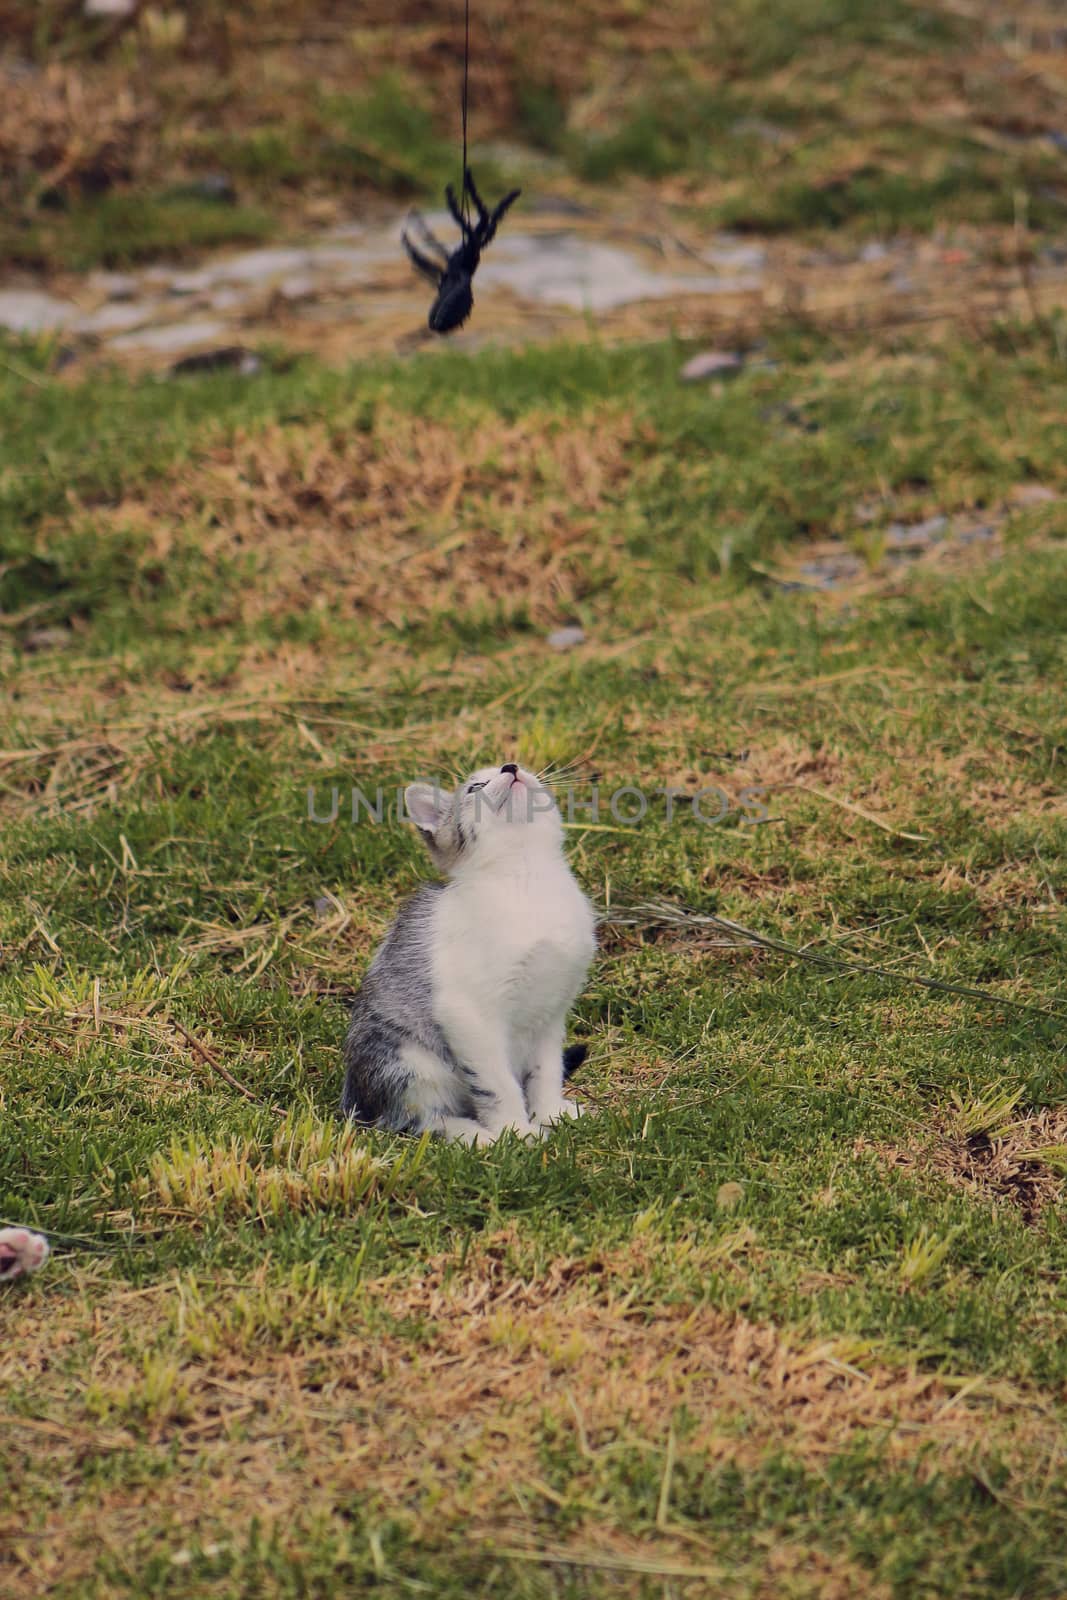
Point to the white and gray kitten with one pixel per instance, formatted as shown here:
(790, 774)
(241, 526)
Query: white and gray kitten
(459, 1024)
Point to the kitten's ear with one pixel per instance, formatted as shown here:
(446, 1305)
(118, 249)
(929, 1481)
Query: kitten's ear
(427, 807)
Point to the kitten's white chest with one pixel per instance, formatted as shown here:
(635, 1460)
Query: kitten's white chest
(519, 944)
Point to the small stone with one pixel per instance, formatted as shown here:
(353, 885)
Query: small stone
(225, 299)
(874, 251)
(559, 205)
(728, 1196)
(114, 318)
(299, 287)
(256, 266)
(33, 311)
(1032, 494)
(978, 533)
(214, 186)
(730, 251)
(228, 357)
(183, 283)
(868, 510)
(184, 1557)
(587, 275)
(829, 570)
(915, 535)
(115, 285)
(324, 906)
(159, 274)
(109, 8)
(170, 339)
(758, 128)
(566, 638)
(45, 639)
(711, 364)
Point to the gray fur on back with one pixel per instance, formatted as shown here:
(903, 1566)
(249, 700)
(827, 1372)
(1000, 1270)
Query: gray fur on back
(393, 1008)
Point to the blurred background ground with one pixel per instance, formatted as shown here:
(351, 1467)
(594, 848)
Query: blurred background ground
(749, 160)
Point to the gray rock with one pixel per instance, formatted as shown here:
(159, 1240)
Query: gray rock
(214, 186)
(979, 533)
(33, 311)
(226, 299)
(759, 128)
(585, 275)
(874, 251)
(735, 254)
(160, 274)
(227, 357)
(827, 571)
(711, 364)
(198, 282)
(259, 266)
(352, 263)
(556, 205)
(171, 338)
(566, 638)
(115, 318)
(46, 639)
(916, 535)
(116, 285)
(302, 286)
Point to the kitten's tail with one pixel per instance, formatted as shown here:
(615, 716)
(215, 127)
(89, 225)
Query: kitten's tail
(573, 1057)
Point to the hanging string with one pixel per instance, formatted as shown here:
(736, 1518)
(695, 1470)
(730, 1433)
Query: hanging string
(464, 198)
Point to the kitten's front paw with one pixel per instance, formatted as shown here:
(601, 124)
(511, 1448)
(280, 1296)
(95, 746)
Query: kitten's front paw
(21, 1251)
(481, 1137)
(559, 1112)
(521, 1130)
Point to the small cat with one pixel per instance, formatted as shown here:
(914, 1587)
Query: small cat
(458, 1026)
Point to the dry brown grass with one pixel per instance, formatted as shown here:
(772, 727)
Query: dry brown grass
(149, 96)
(408, 521)
(1022, 1162)
(269, 1401)
(68, 131)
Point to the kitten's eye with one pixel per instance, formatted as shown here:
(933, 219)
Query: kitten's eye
(472, 786)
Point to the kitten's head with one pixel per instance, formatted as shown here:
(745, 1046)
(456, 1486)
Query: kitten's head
(496, 813)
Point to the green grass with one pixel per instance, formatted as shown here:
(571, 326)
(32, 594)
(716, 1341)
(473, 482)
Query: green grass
(124, 229)
(261, 1294)
(385, 138)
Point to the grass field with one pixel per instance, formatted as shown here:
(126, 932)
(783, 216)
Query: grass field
(785, 1315)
